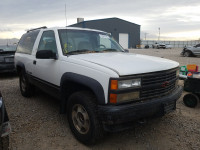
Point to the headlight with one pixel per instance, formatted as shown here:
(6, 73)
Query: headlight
(117, 98)
(128, 96)
(124, 84)
(129, 83)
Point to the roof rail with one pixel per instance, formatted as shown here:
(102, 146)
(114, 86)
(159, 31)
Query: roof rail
(44, 27)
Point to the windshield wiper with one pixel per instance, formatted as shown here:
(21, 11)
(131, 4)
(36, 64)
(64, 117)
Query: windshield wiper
(109, 50)
(81, 51)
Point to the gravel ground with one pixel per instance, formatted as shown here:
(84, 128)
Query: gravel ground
(37, 124)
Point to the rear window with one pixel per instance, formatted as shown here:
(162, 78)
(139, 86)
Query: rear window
(26, 42)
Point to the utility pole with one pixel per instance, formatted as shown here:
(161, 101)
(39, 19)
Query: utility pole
(145, 35)
(66, 14)
(159, 34)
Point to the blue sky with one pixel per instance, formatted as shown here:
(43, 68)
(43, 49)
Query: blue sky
(178, 20)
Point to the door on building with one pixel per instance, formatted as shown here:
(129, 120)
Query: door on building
(123, 40)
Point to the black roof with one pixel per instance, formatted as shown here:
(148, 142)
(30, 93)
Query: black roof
(113, 18)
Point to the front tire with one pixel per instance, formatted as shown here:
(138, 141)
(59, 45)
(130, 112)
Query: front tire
(25, 87)
(187, 54)
(83, 119)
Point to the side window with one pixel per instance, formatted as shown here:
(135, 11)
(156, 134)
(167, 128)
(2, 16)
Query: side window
(26, 42)
(48, 42)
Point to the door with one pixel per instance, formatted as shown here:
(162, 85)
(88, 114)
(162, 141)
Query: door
(47, 69)
(196, 49)
(123, 40)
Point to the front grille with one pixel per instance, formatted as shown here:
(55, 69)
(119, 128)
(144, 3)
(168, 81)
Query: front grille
(158, 84)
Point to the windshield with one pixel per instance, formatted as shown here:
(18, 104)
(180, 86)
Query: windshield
(81, 41)
(7, 48)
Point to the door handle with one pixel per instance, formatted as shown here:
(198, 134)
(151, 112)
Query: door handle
(34, 62)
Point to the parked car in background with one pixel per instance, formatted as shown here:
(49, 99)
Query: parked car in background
(159, 45)
(5, 127)
(191, 51)
(168, 46)
(7, 53)
(146, 46)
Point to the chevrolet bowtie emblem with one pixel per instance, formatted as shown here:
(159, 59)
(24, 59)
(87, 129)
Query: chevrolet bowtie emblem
(165, 84)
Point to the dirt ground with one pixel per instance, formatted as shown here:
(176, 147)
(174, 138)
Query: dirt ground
(37, 124)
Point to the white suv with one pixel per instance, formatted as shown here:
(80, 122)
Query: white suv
(99, 85)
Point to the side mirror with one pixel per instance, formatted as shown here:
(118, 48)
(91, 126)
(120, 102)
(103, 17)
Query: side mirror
(126, 50)
(46, 54)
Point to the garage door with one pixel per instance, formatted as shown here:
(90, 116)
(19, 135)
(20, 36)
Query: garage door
(123, 40)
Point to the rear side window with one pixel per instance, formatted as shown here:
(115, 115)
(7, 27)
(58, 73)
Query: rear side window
(26, 42)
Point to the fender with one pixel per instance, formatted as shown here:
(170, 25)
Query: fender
(21, 65)
(94, 85)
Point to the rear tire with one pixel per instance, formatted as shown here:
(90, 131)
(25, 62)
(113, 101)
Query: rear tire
(83, 119)
(26, 88)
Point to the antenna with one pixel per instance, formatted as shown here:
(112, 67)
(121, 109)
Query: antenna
(66, 14)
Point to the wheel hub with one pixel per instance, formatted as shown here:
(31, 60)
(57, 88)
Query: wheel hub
(80, 119)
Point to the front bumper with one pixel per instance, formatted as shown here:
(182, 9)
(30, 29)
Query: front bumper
(161, 46)
(5, 127)
(112, 115)
(7, 67)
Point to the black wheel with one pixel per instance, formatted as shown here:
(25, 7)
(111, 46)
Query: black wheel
(187, 54)
(191, 100)
(25, 87)
(4, 143)
(83, 118)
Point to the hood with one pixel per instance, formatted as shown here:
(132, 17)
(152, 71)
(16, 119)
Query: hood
(128, 63)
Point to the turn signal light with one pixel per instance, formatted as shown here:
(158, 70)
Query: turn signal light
(114, 85)
(113, 98)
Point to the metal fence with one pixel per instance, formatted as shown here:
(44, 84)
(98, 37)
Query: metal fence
(174, 44)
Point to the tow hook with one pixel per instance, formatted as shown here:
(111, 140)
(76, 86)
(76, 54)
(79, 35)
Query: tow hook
(142, 121)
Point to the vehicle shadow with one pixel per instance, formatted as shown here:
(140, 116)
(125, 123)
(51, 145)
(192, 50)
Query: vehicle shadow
(9, 75)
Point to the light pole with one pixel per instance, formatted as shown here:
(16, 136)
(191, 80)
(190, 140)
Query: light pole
(145, 35)
(159, 34)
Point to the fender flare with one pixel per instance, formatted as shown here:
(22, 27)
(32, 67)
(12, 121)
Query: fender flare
(21, 65)
(92, 84)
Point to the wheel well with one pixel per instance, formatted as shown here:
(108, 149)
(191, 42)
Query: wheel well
(67, 89)
(71, 87)
(19, 69)
(189, 51)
